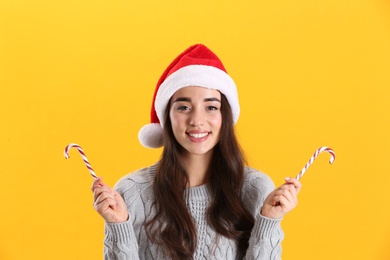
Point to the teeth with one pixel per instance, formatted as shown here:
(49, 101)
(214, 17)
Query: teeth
(201, 135)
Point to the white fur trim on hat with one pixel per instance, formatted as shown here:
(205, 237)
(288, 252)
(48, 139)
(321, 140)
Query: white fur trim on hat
(200, 76)
(151, 135)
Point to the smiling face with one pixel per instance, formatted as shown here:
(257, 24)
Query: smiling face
(196, 119)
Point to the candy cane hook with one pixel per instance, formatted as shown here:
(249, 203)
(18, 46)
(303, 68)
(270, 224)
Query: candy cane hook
(315, 155)
(89, 167)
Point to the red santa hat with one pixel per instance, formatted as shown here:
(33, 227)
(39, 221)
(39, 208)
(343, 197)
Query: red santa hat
(196, 66)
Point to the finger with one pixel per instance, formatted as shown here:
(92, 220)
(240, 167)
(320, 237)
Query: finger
(297, 184)
(109, 201)
(97, 183)
(104, 202)
(285, 203)
(280, 201)
(103, 195)
(293, 192)
(286, 193)
(106, 191)
(105, 208)
(291, 188)
(286, 187)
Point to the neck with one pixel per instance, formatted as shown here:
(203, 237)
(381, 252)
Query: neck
(198, 169)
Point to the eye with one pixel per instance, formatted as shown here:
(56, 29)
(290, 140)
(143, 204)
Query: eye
(183, 108)
(212, 108)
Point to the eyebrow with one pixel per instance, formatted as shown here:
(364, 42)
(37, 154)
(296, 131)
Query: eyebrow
(186, 99)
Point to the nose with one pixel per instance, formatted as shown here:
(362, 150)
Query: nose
(198, 117)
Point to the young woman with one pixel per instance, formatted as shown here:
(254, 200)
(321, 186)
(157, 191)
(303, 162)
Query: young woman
(200, 200)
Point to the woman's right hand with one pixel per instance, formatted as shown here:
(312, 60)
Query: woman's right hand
(108, 202)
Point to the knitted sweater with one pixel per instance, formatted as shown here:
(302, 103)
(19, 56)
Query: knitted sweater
(128, 240)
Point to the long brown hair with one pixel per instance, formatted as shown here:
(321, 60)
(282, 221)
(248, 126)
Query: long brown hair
(226, 213)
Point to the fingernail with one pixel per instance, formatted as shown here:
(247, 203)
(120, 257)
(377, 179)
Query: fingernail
(287, 178)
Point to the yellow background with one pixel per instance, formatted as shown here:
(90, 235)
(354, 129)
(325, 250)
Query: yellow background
(309, 73)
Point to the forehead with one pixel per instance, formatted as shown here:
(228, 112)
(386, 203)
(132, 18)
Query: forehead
(197, 92)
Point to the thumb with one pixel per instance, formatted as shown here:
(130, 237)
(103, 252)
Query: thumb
(98, 182)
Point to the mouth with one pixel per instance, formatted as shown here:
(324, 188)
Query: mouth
(198, 136)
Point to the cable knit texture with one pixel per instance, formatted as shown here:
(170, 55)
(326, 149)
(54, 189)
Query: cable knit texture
(129, 240)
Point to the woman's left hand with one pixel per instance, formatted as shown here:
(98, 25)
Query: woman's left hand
(282, 200)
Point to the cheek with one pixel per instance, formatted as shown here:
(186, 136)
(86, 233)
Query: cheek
(176, 121)
(216, 120)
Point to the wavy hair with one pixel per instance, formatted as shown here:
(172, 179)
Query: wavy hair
(172, 227)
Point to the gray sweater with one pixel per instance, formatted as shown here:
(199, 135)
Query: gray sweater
(128, 240)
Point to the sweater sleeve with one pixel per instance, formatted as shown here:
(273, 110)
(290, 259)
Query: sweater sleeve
(265, 240)
(120, 241)
(267, 234)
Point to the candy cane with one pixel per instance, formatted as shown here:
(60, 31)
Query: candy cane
(89, 167)
(315, 155)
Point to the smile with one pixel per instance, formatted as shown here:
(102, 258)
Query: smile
(198, 135)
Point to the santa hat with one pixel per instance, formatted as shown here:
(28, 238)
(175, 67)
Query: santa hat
(196, 66)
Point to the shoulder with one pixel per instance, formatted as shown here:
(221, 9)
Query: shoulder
(135, 182)
(255, 189)
(257, 180)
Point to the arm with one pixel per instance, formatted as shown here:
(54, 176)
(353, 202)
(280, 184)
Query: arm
(268, 205)
(120, 241)
(266, 239)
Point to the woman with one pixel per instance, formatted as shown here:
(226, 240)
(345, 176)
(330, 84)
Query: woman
(199, 201)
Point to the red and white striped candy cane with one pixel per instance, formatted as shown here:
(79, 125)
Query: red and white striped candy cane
(89, 167)
(315, 155)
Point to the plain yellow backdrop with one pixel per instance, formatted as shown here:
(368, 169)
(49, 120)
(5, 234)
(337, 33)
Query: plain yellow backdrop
(309, 73)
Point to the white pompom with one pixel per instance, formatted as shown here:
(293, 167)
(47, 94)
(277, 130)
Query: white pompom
(151, 135)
